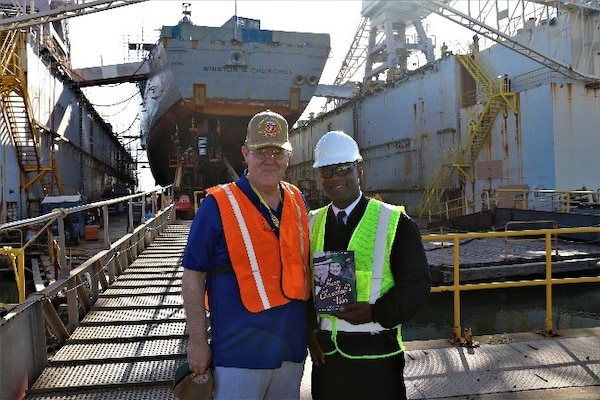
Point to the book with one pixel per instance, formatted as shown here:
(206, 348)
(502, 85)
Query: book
(334, 279)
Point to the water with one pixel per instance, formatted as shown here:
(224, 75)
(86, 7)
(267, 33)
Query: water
(498, 311)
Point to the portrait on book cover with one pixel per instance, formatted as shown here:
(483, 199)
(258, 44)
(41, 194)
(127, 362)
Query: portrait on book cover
(334, 280)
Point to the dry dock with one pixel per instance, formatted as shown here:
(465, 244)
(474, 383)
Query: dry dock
(130, 343)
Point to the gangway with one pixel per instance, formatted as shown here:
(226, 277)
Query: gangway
(130, 343)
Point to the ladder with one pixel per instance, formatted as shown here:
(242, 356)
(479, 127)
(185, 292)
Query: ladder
(177, 179)
(18, 116)
(463, 161)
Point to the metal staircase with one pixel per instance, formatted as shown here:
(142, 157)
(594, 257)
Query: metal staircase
(18, 116)
(463, 161)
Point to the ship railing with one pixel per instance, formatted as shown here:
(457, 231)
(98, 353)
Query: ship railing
(565, 201)
(530, 224)
(31, 231)
(81, 286)
(554, 200)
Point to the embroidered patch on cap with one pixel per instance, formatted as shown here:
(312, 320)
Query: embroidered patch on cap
(268, 129)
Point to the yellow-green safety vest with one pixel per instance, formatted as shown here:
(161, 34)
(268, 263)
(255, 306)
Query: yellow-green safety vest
(371, 242)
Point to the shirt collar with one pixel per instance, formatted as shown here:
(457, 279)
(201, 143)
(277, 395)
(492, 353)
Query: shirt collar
(348, 209)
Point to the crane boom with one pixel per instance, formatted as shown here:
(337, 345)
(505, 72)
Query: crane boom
(358, 54)
(62, 12)
(442, 9)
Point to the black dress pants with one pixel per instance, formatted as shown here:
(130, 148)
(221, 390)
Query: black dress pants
(344, 378)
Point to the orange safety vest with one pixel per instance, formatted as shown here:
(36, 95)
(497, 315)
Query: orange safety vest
(270, 271)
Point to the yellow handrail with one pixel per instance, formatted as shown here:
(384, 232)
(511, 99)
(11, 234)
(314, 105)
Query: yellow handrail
(548, 281)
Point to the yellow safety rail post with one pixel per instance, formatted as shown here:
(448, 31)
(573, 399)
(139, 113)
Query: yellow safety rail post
(549, 331)
(457, 330)
(17, 259)
(454, 288)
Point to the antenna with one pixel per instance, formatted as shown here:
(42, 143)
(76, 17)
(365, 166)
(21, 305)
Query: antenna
(186, 13)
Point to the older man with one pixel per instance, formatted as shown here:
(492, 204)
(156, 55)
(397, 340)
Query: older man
(248, 249)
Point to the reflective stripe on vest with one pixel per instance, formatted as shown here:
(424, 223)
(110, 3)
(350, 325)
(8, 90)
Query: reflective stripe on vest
(266, 279)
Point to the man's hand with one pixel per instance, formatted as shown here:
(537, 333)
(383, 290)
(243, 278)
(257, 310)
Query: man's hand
(192, 291)
(198, 357)
(357, 313)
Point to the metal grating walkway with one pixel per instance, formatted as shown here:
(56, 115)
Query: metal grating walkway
(132, 340)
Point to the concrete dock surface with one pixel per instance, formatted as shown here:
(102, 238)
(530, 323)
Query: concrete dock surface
(507, 366)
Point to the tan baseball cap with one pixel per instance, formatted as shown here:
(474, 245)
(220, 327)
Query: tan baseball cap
(267, 128)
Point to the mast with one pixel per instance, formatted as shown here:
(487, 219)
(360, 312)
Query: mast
(235, 34)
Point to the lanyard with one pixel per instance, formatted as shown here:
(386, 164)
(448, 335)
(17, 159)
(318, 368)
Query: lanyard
(274, 218)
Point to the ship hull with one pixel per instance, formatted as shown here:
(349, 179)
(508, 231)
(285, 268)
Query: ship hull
(205, 85)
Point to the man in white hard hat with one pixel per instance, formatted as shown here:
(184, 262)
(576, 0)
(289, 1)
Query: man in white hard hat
(248, 250)
(358, 352)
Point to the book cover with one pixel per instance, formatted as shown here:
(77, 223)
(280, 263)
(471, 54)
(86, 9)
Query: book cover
(334, 280)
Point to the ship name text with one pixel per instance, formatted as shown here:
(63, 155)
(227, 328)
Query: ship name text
(228, 68)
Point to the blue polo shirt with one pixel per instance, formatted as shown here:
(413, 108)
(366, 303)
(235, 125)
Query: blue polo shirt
(239, 338)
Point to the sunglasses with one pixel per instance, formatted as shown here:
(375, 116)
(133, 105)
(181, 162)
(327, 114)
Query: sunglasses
(339, 170)
(264, 154)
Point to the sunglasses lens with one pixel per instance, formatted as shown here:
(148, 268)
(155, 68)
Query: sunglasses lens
(326, 173)
(343, 170)
(340, 170)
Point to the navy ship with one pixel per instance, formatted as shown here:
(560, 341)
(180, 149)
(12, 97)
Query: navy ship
(204, 85)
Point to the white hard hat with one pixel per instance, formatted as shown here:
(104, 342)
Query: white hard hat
(335, 147)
